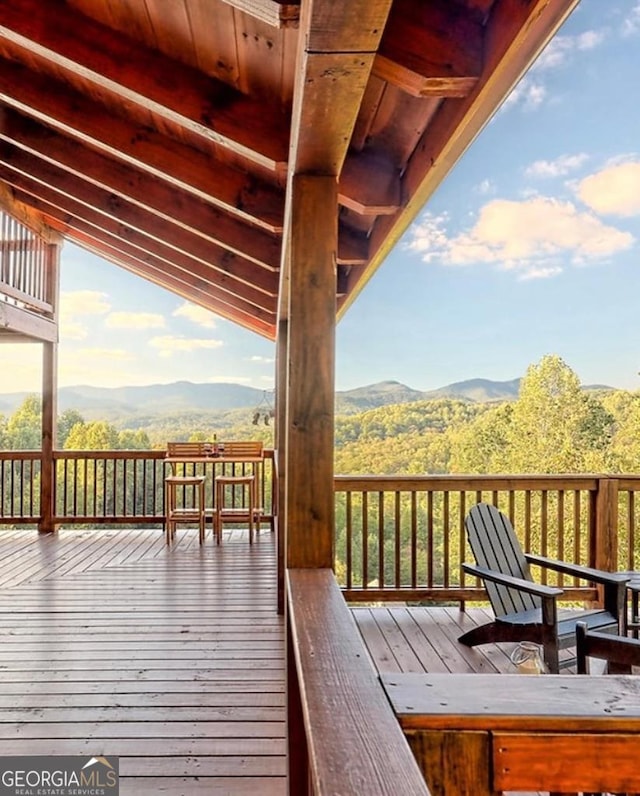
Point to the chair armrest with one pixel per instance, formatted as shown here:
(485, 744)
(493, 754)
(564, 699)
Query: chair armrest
(586, 573)
(515, 583)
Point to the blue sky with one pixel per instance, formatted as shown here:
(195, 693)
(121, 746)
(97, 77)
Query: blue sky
(530, 247)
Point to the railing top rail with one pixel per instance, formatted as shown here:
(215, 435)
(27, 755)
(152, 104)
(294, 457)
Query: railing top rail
(458, 483)
(355, 742)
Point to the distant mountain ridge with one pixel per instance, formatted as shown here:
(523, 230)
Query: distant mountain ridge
(108, 403)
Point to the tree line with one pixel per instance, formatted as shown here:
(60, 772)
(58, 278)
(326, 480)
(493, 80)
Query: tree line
(554, 426)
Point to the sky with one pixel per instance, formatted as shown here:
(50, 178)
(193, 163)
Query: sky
(531, 246)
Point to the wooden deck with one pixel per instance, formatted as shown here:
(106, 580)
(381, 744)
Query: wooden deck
(171, 659)
(424, 639)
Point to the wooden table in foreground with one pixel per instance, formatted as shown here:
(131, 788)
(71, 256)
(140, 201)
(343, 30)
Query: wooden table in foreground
(479, 735)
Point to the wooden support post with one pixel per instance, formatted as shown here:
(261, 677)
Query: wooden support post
(606, 525)
(49, 400)
(310, 501)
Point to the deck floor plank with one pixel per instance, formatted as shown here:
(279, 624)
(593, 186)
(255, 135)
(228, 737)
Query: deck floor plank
(171, 659)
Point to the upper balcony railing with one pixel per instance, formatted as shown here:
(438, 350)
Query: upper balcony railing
(24, 267)
(397, 537)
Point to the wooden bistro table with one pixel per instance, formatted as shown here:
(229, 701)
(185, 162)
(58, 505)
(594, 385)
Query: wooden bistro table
(481, 734)
(215, 462)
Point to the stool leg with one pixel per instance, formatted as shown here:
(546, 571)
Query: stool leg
(167, 519)
(201, 507)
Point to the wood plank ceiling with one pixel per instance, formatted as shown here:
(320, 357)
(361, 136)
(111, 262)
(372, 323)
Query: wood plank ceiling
(163, 135)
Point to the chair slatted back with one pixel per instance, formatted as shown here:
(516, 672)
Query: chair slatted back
(187, 450)
(495, 546)
(241, 450)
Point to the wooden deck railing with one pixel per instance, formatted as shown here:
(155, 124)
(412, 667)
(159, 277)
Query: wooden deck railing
(397, 537)
(24, 269)
(403, 538)
(103, 487)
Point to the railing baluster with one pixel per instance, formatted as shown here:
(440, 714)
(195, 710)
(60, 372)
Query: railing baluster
(414, 539)
(397, 540)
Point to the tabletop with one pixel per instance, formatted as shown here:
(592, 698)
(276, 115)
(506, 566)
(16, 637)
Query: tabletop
(474, 701)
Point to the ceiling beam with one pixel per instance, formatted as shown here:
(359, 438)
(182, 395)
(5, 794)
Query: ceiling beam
(26, 215)
(247, 320)
(52, 102)
(370, 185)
(132, 220)
(141, 189)
(431, 48)
(57, 34)
(161, 258)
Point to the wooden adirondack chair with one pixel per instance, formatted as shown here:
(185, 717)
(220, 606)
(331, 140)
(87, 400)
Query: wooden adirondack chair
(620, 652)
(524, 610)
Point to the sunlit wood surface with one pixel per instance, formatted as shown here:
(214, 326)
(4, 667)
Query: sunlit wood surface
(172, 659)
(424, 639)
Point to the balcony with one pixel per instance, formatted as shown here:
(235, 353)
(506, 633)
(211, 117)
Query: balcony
(174, 659)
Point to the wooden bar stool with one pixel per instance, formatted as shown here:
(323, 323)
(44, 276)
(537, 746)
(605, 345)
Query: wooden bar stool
(226, 507)
(184, 502)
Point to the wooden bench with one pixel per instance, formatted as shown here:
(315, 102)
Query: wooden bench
(479, 735)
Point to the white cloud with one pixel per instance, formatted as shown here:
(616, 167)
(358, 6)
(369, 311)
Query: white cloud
(77, 304)
(533, 237)
(560, 167)
(528, 94)
(262, 360)
(560, 49)
(613, 191)
(631, 25)
(84, 302)
(72, 330)
(134, 320)
(168, 345)
(485, 188)
(198, 315)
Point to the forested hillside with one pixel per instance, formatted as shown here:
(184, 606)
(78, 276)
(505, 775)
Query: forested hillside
(554, 426)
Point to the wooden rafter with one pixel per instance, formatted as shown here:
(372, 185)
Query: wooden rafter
(61, 37)
(183, 167)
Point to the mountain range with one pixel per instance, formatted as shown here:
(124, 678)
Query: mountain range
(111, 403)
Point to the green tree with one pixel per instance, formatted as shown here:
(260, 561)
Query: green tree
(555, 426)
(133, 440)
(66, 421)
(482, 446)
(95, 436)
(24, 427)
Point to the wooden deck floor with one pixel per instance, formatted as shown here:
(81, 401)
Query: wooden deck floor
(172, 660)
(424, 639)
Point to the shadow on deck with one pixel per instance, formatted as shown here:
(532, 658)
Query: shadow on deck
(171, 659)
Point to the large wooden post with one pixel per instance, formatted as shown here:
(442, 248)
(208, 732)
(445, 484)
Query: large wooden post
(309, 412)
(49, 400)
(309, 472)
